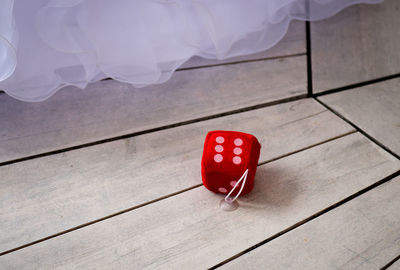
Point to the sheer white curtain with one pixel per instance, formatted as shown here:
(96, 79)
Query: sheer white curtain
(47, 44)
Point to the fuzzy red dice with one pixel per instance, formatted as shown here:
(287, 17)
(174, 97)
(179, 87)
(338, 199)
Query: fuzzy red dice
(226, 157)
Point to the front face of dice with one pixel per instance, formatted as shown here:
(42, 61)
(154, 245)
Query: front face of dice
(226, 156)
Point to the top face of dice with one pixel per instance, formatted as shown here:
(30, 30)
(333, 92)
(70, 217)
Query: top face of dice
(226, 156)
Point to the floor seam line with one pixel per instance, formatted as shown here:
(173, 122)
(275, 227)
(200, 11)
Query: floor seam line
(375, 141)
(357, 85)
(391, 263)
(308, 147)
(309, 60)
(244, 61)
(160, 128)
(97, 220)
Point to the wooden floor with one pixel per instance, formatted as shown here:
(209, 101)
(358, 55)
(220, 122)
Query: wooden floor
(109, 177)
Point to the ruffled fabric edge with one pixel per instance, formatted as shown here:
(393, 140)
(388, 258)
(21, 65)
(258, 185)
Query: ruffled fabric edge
(85, 64)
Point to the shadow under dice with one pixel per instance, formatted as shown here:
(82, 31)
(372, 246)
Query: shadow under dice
(226, 157)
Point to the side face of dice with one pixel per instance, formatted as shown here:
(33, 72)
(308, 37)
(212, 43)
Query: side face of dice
(226, 156)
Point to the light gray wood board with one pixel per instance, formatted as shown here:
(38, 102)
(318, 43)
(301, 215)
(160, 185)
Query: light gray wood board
(364, 233)
(44, 196)
(293, 42)
(358, 44)
(374, 108)
(109, 108)
(190, 231)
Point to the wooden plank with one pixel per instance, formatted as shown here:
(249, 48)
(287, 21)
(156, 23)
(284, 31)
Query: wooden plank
(292, 43)
(190, 231)
(47, 195)
(358, 44)
(361, 234)
(109, 108)
(374, 108)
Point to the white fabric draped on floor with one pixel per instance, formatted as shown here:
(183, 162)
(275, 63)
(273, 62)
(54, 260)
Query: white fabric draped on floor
(48, 44)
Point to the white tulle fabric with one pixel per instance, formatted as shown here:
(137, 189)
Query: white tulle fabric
(48, 44)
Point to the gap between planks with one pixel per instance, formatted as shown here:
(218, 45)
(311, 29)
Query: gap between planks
(316, 215)
(178, 124)
(358, 128)
(229, 63)
(387, 266)
(357, 85)
(309, 60)
(243, 61)
(162, 198)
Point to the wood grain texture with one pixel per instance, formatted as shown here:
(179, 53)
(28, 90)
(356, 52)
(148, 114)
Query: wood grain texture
(362, 234)
(109, 108)
(374, 108)
(44, 196)
(358, 44)
(292, 43)
(190, 231)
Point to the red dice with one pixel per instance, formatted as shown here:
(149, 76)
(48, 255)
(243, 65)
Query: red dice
(226, 157)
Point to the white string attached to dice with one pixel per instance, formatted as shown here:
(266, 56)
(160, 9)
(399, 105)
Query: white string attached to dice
(242, 178)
